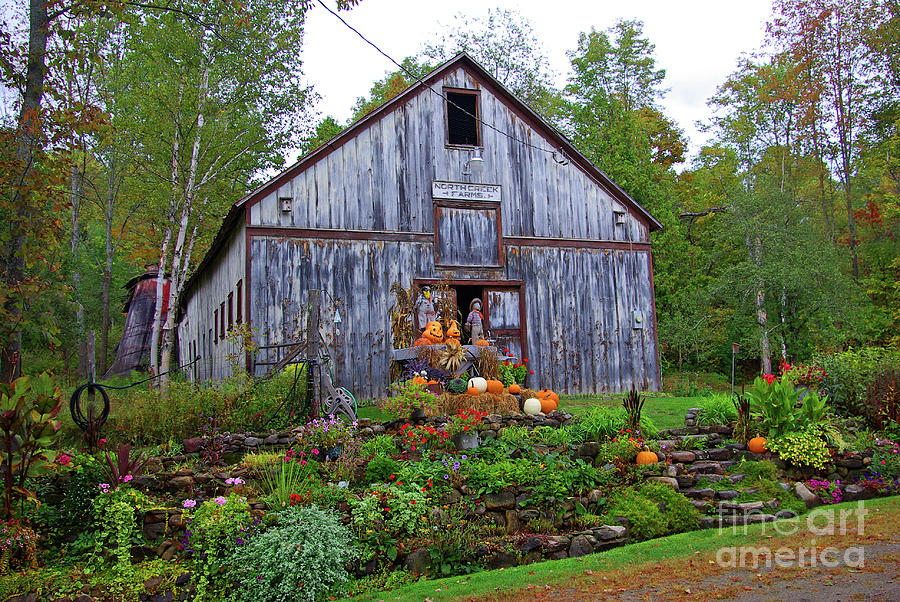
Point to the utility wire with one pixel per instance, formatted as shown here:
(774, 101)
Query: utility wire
(419, 80)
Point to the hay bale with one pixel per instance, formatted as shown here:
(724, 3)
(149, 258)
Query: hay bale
(450, 404)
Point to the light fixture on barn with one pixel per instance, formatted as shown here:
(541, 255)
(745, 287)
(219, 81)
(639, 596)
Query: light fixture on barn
(475, 163)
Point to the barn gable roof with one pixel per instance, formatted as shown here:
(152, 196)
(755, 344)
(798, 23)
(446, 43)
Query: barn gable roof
(558, 140)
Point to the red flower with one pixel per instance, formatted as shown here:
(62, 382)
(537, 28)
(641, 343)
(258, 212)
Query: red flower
(525, 360)
(769, 378)
(531, 372)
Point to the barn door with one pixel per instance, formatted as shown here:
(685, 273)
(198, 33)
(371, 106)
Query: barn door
(504, 317)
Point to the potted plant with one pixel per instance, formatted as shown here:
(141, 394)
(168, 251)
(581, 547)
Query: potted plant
(411, 399)
(463, 428)
(328, 435)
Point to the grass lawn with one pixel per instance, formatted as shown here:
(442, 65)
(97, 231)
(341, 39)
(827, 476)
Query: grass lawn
(657, 556)
(666, 412)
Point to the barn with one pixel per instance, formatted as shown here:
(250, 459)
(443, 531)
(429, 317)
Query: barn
(457, 181)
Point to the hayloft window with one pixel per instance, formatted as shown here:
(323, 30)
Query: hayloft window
(216, 325)
(222, 320)
(230, 311)
(462, 118)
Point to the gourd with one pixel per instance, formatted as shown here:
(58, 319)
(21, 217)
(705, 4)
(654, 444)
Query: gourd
(548, 394)
(482, 343)
(647, 457)
(421, 342)
(479, 383)
(495, 387)
(757, 445)
(453, 332)
(532, 406)
(515, 389)
(434, 332)
(457, 386)
(473, 391)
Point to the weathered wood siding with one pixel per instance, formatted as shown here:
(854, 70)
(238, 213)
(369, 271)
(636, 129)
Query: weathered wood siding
(579, 308)
(381, 178)
(197, 330)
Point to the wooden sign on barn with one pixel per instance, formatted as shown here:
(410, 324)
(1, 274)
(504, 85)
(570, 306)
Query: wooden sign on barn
(559, 255)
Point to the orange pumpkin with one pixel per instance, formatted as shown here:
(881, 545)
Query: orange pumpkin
(548, 394)
(482, 343)
(473, 391)
(421, 342)
(434, 332)
(515, 389)
(495, 387)
(547, 404)
(453, 332)
(647, 457)
(757, 445)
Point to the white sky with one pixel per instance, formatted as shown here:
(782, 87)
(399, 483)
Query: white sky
(697, 42)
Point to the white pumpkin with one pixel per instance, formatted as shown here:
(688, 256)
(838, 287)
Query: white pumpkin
(479, 383)
(532, 406)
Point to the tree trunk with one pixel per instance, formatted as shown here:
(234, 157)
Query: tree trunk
(783, 324)
(29, 128)
(75, 188)
(762, 320)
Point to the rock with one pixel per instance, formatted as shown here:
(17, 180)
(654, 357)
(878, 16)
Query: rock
(271, 439)
(809, 498)
(705, 493)
(512, 522)
(252, 442)
(737, 478)
(719, 453)
(529, 515)
(760, 518)
(852, 461)
(685, 481)
(153, 531)
(184, 483)
(683, 456)
(152, 583)
(689, 422)
(673, 483)
(608, 532)
(493, 419)
(531, 543)
(183, 579)
(671, 471)
(155, 516)
(556, 543)
(418, 561)
(496, 501)
(706, 467)
(712, 478)
(192, 445)
(747, 507)
(588, 449)
(176, 521)
(727, 494)
(580, 546)
(502, 560)
(709, 522)
(853, 493)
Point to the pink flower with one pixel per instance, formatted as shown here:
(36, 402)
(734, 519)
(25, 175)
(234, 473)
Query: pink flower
(127, 478)
(189, 503)
(220, 500)
(64, 459)
(315, 451)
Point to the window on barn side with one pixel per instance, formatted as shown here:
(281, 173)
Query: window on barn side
(216, 324)
(222, 320)
(240, 302)
(230, 311)
(462, 118)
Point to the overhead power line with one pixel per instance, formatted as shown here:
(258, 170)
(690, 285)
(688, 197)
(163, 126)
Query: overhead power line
(557, 155)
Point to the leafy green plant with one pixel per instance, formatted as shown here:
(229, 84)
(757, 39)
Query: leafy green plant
(302, 557)
(380, 445)
(886, 460)
(28, 424)
(380, 469)
(775, 401)
(409, 396)
(212, 533)
(742, 425)
(124, 465)
(385, 513)
(515, 436)
(115, 514)
(653, 510)
(801, 448)
(850, 373)
(717, 409)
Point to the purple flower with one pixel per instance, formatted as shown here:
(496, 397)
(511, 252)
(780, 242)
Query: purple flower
(189, 503)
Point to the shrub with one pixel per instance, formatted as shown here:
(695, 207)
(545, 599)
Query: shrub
(625, 450)
(385, 513)
(380, 469)
(761, 470)
(882, 401)
(679, 514)
(850, 373)
(114, 512)
(887, 460)
(643, 514)
(302, 558)
(717, 409)
(215, 529)
(293, 475)
(801, 448)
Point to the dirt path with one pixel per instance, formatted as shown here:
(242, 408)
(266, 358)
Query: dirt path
(869, 571)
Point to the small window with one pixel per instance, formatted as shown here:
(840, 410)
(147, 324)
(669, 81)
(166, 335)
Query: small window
(222, 320)
(240, 301)
(462, 118)
(230, 311)
(216, 325)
